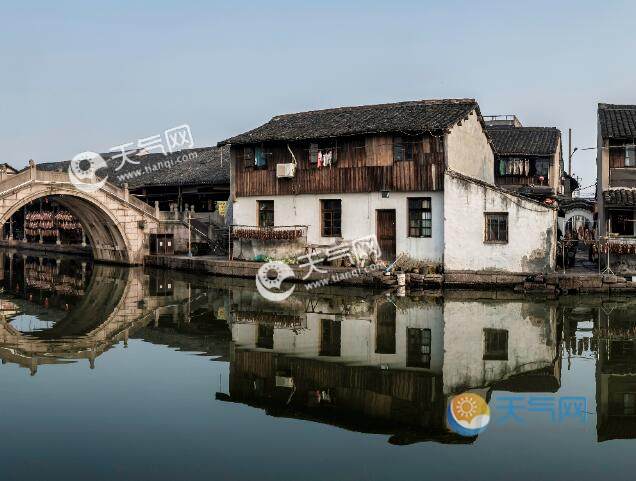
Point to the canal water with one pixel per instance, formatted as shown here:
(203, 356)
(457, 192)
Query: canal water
(125, 373)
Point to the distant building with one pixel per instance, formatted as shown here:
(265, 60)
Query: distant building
(528, 160)
(419, 175)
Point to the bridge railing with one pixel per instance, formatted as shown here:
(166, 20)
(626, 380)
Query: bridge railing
(13, 181)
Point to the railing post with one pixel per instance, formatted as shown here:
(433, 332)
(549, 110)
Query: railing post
(32, 169)
(3, 173)
(126, 191)
(157, 208)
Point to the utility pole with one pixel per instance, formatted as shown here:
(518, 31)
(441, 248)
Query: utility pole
(189, 234)
(570, 152)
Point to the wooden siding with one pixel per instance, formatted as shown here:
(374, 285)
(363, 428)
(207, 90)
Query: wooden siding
(361, 165)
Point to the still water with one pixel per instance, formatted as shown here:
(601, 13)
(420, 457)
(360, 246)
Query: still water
(124, 373)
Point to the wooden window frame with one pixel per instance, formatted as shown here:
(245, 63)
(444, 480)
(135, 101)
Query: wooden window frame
(420, 210)
(403, 151)
(259, 211)
(248, 156)
(495, 354)
(487, 216)
(331, 232)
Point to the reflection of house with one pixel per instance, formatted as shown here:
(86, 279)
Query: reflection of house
(419, 175)
(373, 370)
(527, 159)
(487, 343)
(616, 376)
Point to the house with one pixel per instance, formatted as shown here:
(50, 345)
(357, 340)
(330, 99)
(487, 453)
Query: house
(528, 160)
(616, 184)
(418, 174)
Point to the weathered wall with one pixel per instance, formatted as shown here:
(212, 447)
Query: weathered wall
(531, 245)
(358, 218)
(468, 150)
(602, 179)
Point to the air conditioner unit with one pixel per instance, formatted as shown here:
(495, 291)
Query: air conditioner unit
(285, 170)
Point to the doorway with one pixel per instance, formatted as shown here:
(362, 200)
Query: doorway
(385, 232)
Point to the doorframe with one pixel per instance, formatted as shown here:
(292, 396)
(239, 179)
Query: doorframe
(377, 226)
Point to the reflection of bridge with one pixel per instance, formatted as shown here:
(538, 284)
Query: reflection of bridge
(117, 224)
(117, 306)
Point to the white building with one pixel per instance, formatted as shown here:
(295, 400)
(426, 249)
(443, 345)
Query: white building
(419, 175)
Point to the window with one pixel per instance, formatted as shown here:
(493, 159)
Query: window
(418, 347)
(266, 213)
(265, 339)
(313, 153)
(621, 222)
(629, 404)
(630, 156)
(402, 150)
(495, 345)
(497, 227)
(248, 156)
(331, 217)
(330, 338)
(420, 217)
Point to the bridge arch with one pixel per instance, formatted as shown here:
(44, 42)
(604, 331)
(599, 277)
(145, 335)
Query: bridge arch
(118, 224)
(106, 234)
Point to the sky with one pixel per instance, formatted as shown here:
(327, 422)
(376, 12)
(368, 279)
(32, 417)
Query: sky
(77, 75)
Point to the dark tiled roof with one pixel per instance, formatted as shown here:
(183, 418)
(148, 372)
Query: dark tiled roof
(208, 165)
(414, 117)
(622, 197)
(617, 121)
(539, 141)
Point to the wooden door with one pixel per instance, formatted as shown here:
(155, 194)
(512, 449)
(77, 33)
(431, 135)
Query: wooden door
(385, 232)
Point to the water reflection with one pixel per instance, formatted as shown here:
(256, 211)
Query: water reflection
(363, 361)
(59, 310)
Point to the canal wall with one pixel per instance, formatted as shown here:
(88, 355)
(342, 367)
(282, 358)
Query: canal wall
(553, 284)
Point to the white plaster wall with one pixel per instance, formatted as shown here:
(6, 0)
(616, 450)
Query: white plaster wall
(531, 245)
(468, 150)
(358, 218)
(531, 341)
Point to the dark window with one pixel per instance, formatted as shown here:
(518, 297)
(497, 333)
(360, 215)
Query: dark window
(497, 227)
(331, 218)
(330, 338)
(402, 149)
(248, 156)
(630, 156)
(495, 345)
(266, 213)
(265, 339)
(420, 217)
(418, 347)
(313, 153)
(621, 222)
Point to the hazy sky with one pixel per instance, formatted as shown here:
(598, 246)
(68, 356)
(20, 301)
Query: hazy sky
(84, 75)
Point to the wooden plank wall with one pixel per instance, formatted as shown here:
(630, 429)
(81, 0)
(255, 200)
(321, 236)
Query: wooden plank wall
(362, 165)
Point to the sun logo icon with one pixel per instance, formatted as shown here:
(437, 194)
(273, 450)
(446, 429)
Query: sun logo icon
(468, 414)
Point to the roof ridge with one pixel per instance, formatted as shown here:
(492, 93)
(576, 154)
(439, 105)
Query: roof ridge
(384, 104)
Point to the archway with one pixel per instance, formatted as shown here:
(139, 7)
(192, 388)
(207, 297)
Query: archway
(106, 235)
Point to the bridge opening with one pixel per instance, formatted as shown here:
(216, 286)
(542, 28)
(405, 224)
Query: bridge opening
(65, 223)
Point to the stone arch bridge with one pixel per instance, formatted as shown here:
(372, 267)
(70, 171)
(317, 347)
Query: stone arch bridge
(117, 224)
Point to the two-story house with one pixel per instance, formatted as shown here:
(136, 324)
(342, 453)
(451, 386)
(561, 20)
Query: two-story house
(419, 175)
(528, 160)
(616, 169)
